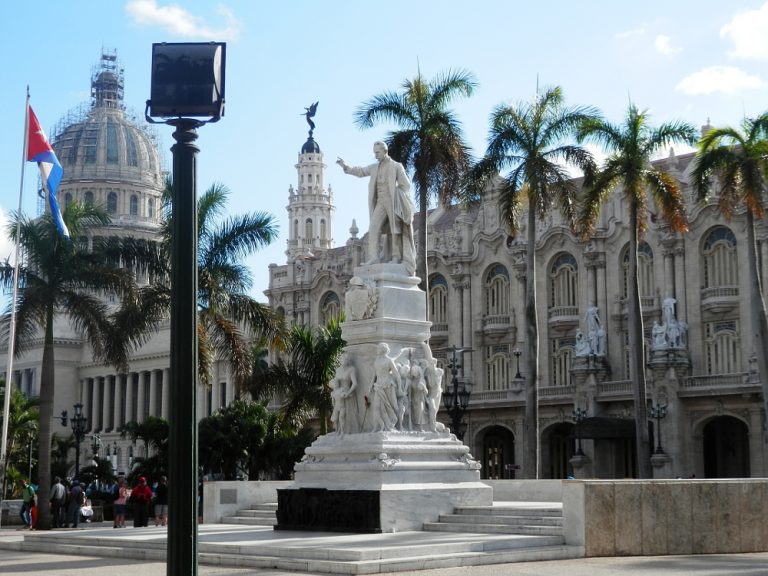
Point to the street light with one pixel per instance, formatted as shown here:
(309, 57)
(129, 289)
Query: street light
(658, 411)
(79, 425)
(456, 399)
(187, 83)
(517, 354)
(95, 446)
(578, 416)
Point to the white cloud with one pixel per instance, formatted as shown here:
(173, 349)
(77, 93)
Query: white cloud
(629, 33)
(749, 33)
(664, 45)
(725, 79)
(176, 20)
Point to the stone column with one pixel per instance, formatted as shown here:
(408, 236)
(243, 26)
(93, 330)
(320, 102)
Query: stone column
(119, 379)
(602, 297)
(680, 295)
(166, 382)
(129, 399)
(140, 415)
(466, 340)
(591, 267)
(758, 467)
(764, 263)
(96, 409)
(153, 393)
(669, 272)
(106, 400)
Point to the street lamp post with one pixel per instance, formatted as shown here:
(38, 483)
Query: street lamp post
(79, 424)
(517, 353)
(187, 81)
(578, 416)
(456, 398)
(658, 411)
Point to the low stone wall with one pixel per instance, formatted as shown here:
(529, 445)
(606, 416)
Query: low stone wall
(658, 517)
(526, 490)
(222, 499)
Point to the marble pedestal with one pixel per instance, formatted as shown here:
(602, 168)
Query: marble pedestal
(381, 476)
(380, 482)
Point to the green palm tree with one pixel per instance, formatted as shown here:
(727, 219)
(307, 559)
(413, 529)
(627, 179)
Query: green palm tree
(429, 142)
(23, 429)
(304, 374)
(65, 278)
(630, 147)
(529, 144)
(738, 158)
(228, 317)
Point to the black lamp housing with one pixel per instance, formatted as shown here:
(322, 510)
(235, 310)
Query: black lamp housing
(187, 79)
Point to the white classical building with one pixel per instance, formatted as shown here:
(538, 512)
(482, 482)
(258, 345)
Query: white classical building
(111, 159)
(701, 367)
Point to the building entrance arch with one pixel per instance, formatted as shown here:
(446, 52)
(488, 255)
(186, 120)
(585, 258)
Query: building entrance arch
(558, 449)
(498, 453)
(726, 448)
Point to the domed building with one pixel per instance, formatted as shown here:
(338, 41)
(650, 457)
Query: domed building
(108, 158)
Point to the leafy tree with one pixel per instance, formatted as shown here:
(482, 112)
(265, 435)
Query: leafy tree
(302, 375)
(23, 430)
(153, 432)
(429, 143)
(70, 279)
(738, 160)
(630, 147)
(227, 316)
(529, 143)
(245, 438)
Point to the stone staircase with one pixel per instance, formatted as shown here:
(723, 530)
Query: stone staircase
(256, 515)
(523, 518)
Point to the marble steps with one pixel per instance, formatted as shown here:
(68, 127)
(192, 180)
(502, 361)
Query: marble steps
(529, 519)
(344, 554)
(256, 515)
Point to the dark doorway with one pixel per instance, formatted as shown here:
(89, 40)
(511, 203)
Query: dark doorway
(726, 448)
(498, 453)
(560, 447)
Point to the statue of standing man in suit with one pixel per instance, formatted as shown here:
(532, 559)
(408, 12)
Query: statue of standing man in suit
(390, 207)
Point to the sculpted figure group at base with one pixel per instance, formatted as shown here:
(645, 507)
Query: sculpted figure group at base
(390, 207)
(405, 394)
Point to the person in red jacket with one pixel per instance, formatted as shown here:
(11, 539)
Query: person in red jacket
(141, 496)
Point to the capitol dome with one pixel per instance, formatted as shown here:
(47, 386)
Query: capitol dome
(108, 157)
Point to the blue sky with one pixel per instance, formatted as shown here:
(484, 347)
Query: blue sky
(687, 59)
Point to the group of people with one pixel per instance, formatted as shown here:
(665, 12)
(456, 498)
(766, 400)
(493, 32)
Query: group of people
(69, 502)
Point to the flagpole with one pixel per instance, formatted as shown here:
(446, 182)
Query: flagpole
(12, 322)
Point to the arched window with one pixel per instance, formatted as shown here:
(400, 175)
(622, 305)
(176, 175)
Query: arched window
(88, 197)
(497, 367)
(151, 208)
(645, 277)
(112, 203)
(308, 231)
(721, 342)
(329, 307)
(561, 359)
(564, 281)
(438, 300)
(721, 267)
(322, 230)
(67, 200)
(497, 291)
(134, 205)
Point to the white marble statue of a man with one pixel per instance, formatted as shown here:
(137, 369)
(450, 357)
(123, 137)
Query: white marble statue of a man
(390, 207)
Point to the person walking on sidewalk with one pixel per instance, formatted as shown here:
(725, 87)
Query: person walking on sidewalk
(58, 500)
(28, 502)
(141, 496)
(161, 502)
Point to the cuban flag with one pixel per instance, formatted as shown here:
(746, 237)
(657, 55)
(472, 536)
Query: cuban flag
(39, 150)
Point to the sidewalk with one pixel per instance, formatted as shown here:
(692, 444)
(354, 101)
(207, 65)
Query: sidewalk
(24, 563)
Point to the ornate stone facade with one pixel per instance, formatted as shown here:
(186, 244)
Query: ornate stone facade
(693, 286)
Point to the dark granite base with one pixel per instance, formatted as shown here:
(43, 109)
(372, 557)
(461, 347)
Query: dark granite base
(323, 510)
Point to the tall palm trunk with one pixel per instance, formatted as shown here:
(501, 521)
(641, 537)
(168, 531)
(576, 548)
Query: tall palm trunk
(637, 352)
(531, 454)
(46, 419)
(759, 317)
